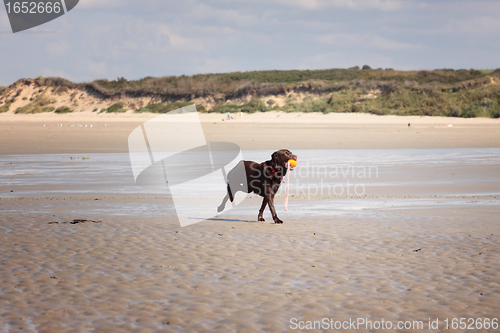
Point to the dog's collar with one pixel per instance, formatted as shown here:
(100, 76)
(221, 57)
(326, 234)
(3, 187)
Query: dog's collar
(275, 173)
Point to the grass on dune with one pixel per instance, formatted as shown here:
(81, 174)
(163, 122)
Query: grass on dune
(41, 104)
(403, 101)
(443, 92)
(5, 107)
(116, 108)
(64, 109)
(163, 108)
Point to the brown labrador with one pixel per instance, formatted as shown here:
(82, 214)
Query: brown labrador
(263, 179)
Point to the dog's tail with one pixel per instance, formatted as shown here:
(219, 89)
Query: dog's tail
(230, 193)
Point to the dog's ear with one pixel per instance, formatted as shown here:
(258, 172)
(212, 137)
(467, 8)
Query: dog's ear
(274, 156)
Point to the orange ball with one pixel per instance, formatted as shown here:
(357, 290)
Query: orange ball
(293, 163)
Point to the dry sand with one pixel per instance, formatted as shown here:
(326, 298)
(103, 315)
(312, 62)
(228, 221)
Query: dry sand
(26, 134)
(134, 273)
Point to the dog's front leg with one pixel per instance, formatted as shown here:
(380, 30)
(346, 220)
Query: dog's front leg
(261, 211)
(270, 201)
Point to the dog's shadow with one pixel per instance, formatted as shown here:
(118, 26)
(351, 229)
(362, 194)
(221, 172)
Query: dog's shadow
(230, 220)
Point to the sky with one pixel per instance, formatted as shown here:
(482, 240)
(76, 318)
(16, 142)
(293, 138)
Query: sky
(130, 38)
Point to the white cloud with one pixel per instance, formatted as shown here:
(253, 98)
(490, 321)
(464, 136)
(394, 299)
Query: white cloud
(58, 48)
(388, 44)
(111, 38)
(98, 68)
(369, 40)
(384, 5)
(89, 4)
(346, 59)
(50, 72)
(219, 65)
(167, 38)
(129, 45)
(203, 11)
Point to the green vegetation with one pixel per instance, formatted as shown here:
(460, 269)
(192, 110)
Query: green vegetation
(445, 92)
(39, 105)
(254, 105)
(5, 107)
(442, 92)
(225, 108)
(61, 90)
(163, 108)
(232, 82)
(403, 101)
(116, 108)
(64, 109)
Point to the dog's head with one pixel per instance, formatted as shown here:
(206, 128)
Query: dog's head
(280, 158)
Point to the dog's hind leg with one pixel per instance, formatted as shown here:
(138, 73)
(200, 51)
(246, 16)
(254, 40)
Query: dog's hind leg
(223, 204)
(261, 211)
(230, 193)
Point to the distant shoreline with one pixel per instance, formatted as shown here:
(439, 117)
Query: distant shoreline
(108, 133)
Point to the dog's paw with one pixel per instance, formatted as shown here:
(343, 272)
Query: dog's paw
(278, 221)
(220, 209)
(261, 219)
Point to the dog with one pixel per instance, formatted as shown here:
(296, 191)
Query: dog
(263, 179)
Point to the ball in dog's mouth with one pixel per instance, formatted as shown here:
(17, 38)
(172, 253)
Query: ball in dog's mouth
(293, 163)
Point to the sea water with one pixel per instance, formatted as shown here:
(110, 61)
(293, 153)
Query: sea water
(324, 182)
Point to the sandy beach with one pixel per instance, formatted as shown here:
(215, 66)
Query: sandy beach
(145, 274)
(72, 133)
(84, 249)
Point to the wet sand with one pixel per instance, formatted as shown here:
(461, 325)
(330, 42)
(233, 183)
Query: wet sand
(140, 274)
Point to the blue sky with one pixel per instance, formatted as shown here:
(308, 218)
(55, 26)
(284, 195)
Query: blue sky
(134, 39)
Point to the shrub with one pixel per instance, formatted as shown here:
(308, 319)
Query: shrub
(30, 108)
(64, 109)
(201, 108)
(117, 107)
(495, 113)
(61, 90)
(41, 104)
(4, 108)
(254, 105)
(225, 108)
(163, 108)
